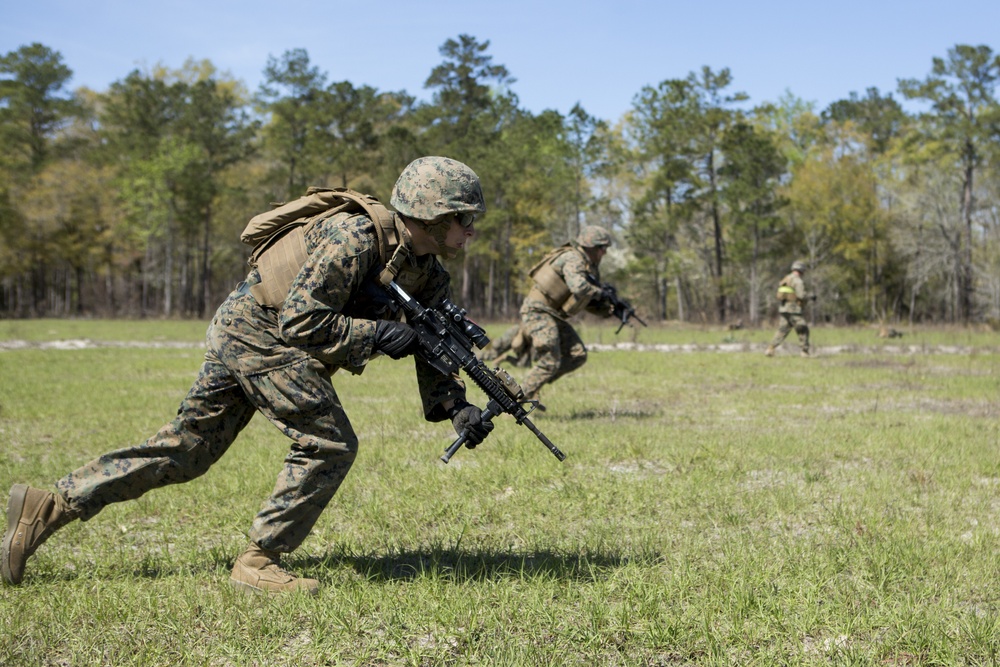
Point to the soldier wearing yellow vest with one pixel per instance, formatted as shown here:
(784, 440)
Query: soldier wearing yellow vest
(561, 290)
(277, 356)
(791, 299)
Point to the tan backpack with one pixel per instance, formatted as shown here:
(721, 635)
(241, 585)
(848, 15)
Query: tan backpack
(278, 238)
(551, 287)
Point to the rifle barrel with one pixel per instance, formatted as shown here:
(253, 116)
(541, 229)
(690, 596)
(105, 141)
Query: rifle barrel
(545, 441)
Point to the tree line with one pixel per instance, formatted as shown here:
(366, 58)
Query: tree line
(130, 201)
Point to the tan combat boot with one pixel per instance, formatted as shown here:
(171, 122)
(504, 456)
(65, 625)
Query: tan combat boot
(259, 570)
(32, 515)
(769, 352)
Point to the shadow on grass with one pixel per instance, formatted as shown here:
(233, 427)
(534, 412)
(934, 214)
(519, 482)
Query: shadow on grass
(460, 565)
(611, 413)
(453, 564)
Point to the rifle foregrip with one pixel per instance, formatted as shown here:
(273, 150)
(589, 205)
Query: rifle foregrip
(485, 416)
(454, 447)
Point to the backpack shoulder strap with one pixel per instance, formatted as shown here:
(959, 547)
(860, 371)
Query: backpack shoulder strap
(389, 229)
(549, 258)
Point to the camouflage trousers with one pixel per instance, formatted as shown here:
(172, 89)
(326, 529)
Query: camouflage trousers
(246, 369)
(791, 321)
(557, 347)
(519, 347)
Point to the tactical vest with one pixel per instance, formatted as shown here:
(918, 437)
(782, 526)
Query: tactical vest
(786, 293)
(278, 237)
(551, 288)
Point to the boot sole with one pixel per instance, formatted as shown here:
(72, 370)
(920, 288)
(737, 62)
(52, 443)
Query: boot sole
(15, 506)
(246, 588)
(249, 589)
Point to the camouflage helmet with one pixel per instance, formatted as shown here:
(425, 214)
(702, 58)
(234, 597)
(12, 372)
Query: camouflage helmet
(593, 236)
(433, 186)
(799, 266)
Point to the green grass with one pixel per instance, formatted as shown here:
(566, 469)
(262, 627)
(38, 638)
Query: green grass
(592, 330)
(714, 509)
(103, 330)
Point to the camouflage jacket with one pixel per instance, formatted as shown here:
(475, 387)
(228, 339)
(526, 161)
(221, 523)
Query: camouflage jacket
(573, 266)
(791, 294)
(333, 302)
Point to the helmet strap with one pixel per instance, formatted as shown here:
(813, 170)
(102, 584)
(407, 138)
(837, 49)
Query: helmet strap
(438, 230)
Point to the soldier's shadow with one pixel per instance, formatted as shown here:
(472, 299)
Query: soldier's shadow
(461, 565)
(609, 413)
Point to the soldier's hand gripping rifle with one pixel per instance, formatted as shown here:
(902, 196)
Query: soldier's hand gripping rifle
(620, 307)
(447, 338)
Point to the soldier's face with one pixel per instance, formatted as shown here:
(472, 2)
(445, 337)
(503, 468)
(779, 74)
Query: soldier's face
(457, 236)
(596, 254)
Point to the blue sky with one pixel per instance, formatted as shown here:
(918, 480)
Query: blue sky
(561, 52)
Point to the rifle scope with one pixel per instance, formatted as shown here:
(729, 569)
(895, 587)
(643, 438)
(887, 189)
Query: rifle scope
(473, 331)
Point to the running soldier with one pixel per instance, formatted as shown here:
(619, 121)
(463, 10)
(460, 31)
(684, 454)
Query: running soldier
(791, 299)
(273, 347)
(567, 281)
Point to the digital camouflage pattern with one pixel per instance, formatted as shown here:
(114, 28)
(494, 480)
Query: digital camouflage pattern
(278, 362)
(558, 348)
(433, 186)
(593, 236)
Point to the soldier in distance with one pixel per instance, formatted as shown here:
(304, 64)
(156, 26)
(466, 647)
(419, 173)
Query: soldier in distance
(791, 299)
(566, 282)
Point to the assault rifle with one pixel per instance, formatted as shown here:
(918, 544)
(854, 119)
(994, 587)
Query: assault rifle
(447, 338)
(620, 308)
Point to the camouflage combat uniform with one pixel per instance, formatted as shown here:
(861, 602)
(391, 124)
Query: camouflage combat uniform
(791, 299)
(278, 362)
(512, 340)
(558, 349)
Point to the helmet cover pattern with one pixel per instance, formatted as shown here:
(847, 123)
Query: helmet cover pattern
(593, 236)
(434, 186)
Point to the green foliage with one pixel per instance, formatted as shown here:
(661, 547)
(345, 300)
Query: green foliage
(833, 203)
(881, 119)
(794, 122)
(751, 177)
(32, 104)
(291, 87)
(961, 128)
(130, 200)
(465, 87)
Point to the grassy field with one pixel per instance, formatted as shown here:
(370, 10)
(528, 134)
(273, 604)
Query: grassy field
(593, 331)
(714, 509)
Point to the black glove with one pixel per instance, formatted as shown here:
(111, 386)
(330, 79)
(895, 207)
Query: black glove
(600, 304)
(395, 338)
(468, 421)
